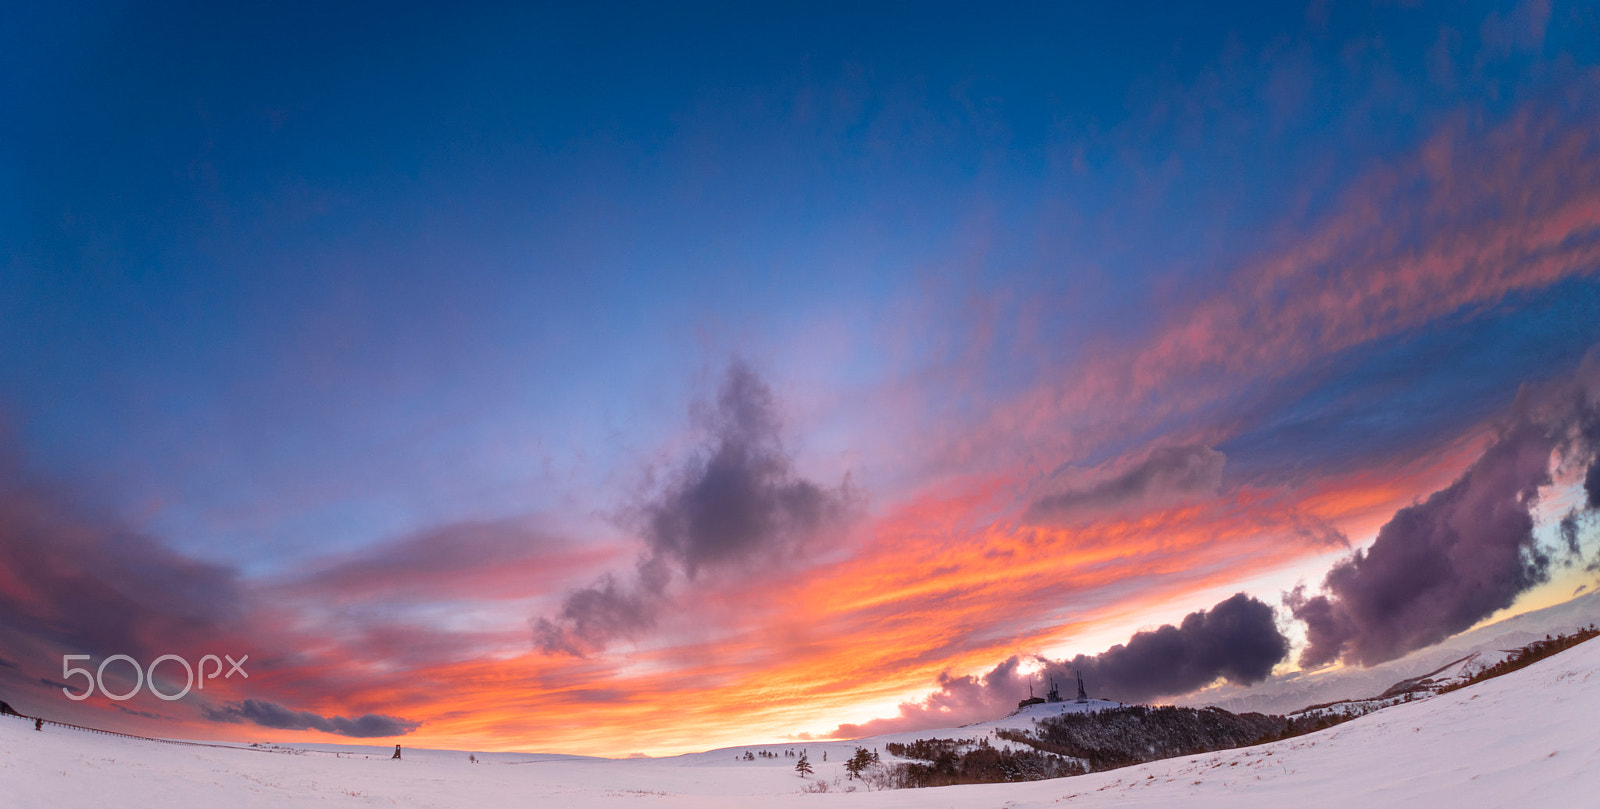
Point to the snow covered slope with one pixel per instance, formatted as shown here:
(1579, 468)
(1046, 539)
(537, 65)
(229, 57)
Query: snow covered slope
(1529, 738)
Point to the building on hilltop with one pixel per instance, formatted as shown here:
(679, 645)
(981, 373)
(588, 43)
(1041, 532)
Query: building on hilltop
(1031, 700)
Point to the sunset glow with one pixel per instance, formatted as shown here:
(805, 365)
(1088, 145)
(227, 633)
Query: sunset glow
(649, 381)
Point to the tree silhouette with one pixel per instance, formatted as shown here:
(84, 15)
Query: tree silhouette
(858, 763)
(803, 766)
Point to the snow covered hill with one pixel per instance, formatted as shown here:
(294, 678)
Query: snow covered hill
(1022, 719)
(838, 751)
(1526, 739)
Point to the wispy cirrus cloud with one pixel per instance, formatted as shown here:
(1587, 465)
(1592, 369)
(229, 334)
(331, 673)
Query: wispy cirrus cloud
(1448, 229)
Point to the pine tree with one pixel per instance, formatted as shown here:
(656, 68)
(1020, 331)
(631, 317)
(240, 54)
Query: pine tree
(803, 766)
(858, 763)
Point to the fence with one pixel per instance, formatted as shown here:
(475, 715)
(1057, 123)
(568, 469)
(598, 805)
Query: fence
(104, 732)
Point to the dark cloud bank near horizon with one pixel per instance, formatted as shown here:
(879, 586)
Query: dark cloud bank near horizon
(1441, 565)
(736, 500)
(1237, 639)
(272, 715)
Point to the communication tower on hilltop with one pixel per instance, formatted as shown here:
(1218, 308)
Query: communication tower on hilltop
(1031, 700)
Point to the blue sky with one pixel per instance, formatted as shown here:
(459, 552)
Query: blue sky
(288, 284)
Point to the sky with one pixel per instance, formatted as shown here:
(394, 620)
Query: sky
(638, 378)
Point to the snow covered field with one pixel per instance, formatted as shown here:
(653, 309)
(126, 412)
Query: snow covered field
(1530, 738)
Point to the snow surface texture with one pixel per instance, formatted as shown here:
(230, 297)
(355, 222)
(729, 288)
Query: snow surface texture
(1526, 739)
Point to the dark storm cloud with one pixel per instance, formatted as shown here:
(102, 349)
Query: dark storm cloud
(1589, 433)
(742, 496)
(1440, 566)
(1568, 531)
(1237, 640)
(738, 499)
(1591, 484)
(1166, 476)
(599, 613)
(273, 715)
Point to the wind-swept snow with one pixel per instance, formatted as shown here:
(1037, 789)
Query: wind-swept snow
(1529, 738)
